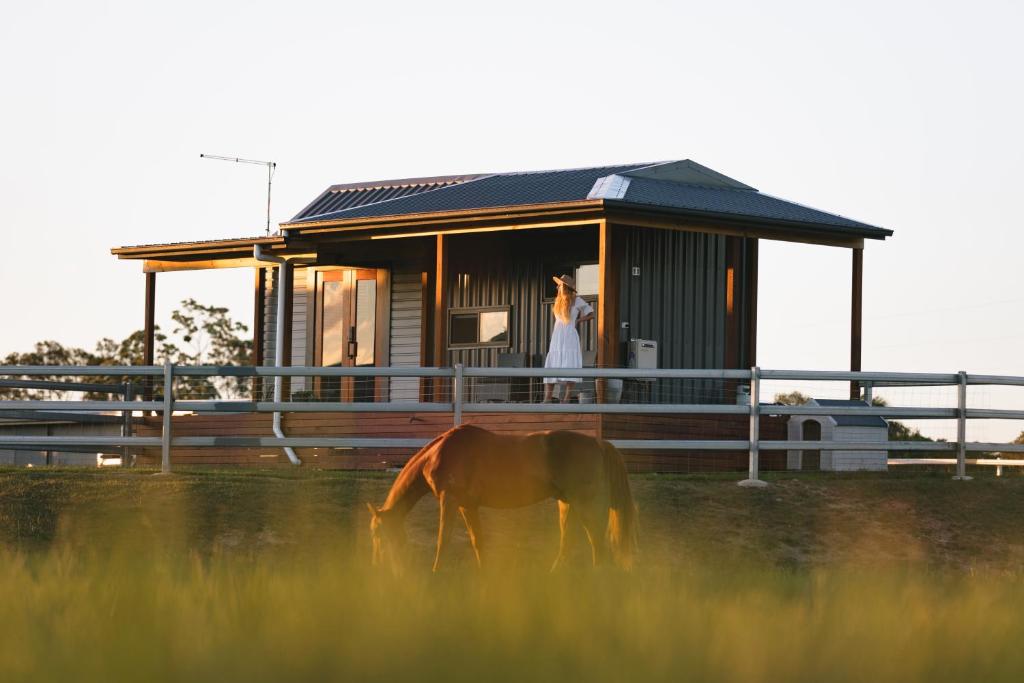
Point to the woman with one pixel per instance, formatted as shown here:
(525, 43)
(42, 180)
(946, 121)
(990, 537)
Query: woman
(564, 349)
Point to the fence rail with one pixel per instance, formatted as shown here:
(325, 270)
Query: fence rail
(166, 405)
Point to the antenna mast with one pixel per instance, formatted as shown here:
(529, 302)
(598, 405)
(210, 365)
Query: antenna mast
(271, 166)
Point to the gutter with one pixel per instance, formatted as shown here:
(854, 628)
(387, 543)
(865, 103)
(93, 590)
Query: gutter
(284, 272)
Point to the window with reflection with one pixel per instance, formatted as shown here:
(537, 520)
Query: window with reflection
(478, 327)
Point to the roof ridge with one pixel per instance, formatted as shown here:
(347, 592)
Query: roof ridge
(404, 182)
(630, 167)
(711, 187)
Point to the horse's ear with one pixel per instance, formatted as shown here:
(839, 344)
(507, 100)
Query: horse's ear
(373, 510)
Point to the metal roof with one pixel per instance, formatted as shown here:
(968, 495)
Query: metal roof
(851, 420)
(679, 186)
(352, 195)
(482, 192)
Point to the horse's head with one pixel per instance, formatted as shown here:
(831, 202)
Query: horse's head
(388, 534)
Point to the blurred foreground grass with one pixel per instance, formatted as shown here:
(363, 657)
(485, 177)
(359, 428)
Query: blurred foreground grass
(263, 576)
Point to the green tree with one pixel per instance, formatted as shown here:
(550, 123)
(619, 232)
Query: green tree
(793, 398)
(210, 334)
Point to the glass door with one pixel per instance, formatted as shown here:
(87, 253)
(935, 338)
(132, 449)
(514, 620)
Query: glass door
(347, 330)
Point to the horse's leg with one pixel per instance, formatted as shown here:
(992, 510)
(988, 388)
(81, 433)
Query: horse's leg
(595, 521)
(564, 518)
(471, 516)
(444, 527)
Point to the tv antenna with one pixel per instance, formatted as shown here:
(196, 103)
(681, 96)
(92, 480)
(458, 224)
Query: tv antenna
(271, 166)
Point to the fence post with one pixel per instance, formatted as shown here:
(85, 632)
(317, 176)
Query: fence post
(165, 435)
(961, 429)
(458, 391)
(126, 426)
(755, 428)
(868, 394)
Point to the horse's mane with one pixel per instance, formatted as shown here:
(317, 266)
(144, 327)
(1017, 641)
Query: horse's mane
(409, 477)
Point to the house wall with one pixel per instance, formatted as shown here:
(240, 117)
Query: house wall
(678, 298)
(406, 331)
(37, 458)
(673, 290)
(849, 461)
(302, 308)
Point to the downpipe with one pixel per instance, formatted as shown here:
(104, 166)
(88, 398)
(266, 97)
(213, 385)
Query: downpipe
(284, 277)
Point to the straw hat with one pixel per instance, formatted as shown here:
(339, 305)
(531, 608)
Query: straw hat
(566, 280)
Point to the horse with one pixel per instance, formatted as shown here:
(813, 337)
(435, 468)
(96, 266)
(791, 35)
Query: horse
(467, 468)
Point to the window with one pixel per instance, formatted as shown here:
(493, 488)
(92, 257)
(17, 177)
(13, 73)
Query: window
(586, 280)
(478, 327)
(584, 274)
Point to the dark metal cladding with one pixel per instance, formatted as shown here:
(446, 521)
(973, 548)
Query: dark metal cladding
(678, 300)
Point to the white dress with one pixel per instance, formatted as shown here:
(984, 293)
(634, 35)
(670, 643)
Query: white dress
(564, 349)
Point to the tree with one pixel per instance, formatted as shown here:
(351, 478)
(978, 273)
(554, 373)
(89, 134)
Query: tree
(210, 333)
(793, 398)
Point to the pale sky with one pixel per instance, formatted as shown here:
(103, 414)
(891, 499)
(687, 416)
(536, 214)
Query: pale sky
(905, 115)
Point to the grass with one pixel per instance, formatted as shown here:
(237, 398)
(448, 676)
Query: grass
(264, 576)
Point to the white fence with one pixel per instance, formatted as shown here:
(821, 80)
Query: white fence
(163, 377)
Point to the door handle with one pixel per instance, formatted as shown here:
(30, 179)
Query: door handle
(353, 345)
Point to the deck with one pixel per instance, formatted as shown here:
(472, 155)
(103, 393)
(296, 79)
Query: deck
(429, 425)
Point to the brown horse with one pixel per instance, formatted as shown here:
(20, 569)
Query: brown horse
(468, 468)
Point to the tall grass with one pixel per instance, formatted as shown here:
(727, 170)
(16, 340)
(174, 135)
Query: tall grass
(161, 613)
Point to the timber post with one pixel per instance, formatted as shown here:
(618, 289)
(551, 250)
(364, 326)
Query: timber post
(856, 316)
(440, 320)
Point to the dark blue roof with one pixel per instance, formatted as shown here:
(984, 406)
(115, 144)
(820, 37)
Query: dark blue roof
(678, 186)
(851, 420)
(729, 202)
(487, 191)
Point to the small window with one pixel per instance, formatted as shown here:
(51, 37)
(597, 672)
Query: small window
(478, 327)
(585, 275)
(464, 329)
(586, 280)
(494, 327)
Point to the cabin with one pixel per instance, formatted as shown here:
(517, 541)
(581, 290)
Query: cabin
(442, 270)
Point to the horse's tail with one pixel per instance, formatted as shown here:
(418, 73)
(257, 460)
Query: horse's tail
(622, 514)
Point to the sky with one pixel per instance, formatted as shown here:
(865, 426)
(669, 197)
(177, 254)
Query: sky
(899, 114)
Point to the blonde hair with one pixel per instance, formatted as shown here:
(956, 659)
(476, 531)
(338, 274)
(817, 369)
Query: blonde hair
(563, 303)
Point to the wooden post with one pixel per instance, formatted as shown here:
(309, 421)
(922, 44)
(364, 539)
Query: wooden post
(733, 251)
(607, 303)
(856, 313)
(751, 305)
(149, 333)
(259, 296)
(440, 313)
(286, 288)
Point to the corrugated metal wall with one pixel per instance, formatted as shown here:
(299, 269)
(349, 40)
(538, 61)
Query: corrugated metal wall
(515, 276)
(677, 299)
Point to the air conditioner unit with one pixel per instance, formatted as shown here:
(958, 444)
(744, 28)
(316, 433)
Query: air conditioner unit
(643, 354)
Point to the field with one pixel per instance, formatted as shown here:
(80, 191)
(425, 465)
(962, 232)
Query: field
(264, 576)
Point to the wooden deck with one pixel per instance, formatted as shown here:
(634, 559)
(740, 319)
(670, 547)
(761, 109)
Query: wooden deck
(429, 425)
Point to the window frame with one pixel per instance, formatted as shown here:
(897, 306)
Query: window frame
(477, 310)
(589, 298)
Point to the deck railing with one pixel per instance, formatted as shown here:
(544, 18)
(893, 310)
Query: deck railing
(163, 377)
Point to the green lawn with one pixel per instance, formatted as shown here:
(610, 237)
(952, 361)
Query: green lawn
(263, 575)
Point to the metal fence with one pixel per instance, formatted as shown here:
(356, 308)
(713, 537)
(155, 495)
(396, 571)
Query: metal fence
(163, 378)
